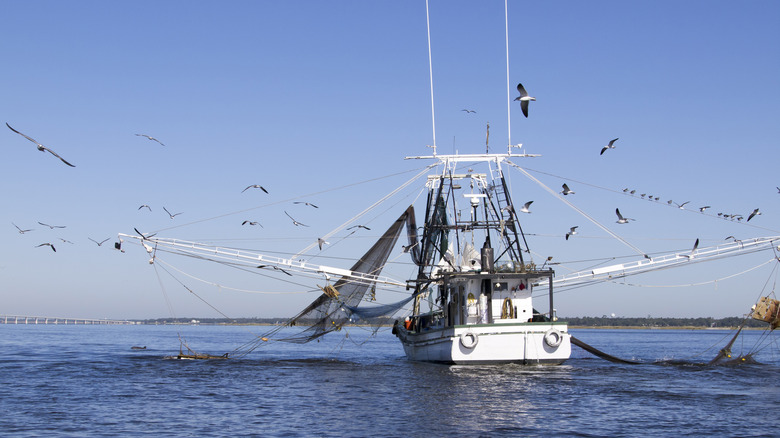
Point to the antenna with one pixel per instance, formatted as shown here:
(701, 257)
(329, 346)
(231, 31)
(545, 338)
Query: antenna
(508, 86)
(430, 70)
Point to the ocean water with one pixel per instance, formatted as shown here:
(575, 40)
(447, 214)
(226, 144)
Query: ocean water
(86, 381)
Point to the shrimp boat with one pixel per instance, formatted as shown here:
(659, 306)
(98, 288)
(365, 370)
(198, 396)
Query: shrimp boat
(478, 306)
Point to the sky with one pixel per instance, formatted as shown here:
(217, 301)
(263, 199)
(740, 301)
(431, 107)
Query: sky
(321, 101)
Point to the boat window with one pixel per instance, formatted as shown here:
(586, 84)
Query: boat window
(499, 286)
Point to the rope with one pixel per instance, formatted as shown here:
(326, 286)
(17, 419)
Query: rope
(701, 283)
(220, 286)
(369, 208)
(585, 215)
(285, 200)
(621, 192)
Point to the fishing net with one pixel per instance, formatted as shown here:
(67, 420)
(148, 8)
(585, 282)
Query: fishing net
(339, 303)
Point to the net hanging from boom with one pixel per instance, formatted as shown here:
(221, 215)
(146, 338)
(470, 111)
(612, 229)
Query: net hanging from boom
(339, 302)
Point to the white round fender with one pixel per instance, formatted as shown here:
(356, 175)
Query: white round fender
(469, 339)
(553, 338)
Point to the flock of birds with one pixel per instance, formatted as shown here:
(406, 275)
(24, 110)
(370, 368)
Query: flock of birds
(566, 190)
(43, 148)
(524, 98)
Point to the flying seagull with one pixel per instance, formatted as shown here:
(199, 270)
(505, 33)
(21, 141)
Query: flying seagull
(571, 232)
(695, 245)
(407, 248)
(67, 241)
(321, 241)
(252, 223)
(169, 213)
(99, 243)
(143, 236)
(41, 147)
(524, 99)
(621, 219)
(21, 231)
(254, 186)
(47, 244)
(468, 111)
(611, 145)
(150, 208)
(52, 226)
(296, 223)
(701, 209)
(681, 206)
(526, 207)
(566, 190)
(359, 226)
(755, 213)
(150, 138)
(305, 203)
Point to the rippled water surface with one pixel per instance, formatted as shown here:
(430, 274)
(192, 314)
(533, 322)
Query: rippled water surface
(86, 381)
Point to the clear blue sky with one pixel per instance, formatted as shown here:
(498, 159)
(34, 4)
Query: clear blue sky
(306, 96)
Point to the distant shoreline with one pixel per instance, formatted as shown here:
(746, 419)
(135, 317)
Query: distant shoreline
(576, 323)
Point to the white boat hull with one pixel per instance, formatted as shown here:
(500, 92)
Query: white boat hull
(522, 343)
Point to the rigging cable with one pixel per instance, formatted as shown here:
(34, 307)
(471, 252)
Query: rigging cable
(595, 222)
(621, 192)
(430, 71)
(285, 200)
(369, 208)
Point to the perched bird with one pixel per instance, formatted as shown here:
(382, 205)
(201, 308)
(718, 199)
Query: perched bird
(52, 226)
(150, 208)
(252, 223)
(566, 190)
(305, 203)
(571, 232)
(99, 243)
(752, 215)
(169, 213)
(254, 186)
(359, 226)
(150, 138)
(524, 98)
(296, 223)
(701, 209)
(41, 147)
(275, 267)
(611, 145)
(526, 206)
(47, 244)
(321, 241)
(468, 111)
(21, 231)
(621, 219)
(681, 206)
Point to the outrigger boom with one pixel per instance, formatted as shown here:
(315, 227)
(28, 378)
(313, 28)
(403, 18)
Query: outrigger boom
(250, 258)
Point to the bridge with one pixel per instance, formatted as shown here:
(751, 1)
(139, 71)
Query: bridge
(24, 319)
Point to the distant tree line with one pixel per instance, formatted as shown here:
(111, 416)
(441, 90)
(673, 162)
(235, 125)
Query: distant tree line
(606, 321)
